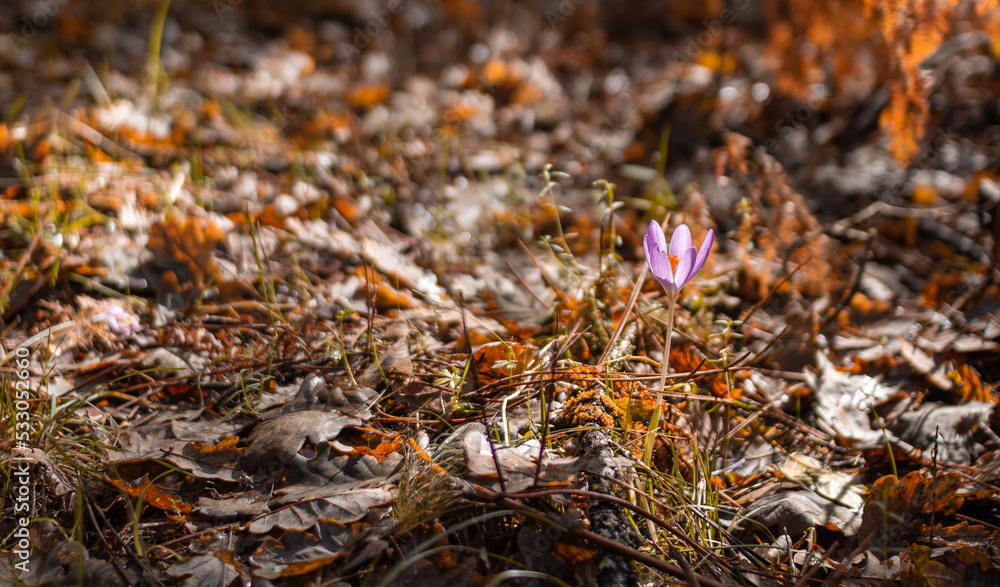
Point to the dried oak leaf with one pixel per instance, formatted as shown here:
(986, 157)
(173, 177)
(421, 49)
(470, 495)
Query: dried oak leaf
(393, 366)
(307, 554)
(194, 447)
(316, 392)
(247, 503)
(518, 464)
(346, 503)
(291, 440)
(913, 30)
(969, 385)
(383, 292)
(186, 245)
(896, 509)
(957, 433)
(973, 563)
(834, 485)
(843, 402)
(500, 360)
(917, 568)
(794, 512)
(144, 489)
(962, 533)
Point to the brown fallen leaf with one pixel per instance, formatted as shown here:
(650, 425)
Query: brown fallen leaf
(144, 490)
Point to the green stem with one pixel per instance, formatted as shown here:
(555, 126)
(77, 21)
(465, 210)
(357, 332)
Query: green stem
(654, 421)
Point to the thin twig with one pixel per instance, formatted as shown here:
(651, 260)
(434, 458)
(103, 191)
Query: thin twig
(128, 552)
(856, 283)
(107, 547)
(774, 289)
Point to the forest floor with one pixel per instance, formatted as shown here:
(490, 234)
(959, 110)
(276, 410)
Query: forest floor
(354, 293)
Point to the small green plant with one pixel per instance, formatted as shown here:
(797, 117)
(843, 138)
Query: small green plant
(558, 246)
(157, 79)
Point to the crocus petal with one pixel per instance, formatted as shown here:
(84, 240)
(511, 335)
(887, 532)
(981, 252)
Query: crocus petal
(683, 273)
(706, 248)
(669, 285)
(660, 269)
(657, 234)
(659, 266)
(680, 241)
(655, 246)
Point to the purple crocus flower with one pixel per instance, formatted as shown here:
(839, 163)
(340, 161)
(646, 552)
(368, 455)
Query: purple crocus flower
(112, 317)
(675, 268)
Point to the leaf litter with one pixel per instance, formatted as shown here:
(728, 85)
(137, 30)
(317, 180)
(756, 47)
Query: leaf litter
(300, 306)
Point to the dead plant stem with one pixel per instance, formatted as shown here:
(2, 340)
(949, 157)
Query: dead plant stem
(654, 421)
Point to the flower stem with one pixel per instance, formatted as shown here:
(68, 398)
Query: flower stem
(654, 420)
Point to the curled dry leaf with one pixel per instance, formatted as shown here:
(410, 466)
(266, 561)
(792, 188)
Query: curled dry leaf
(345, 504)
(844, 402)
(794, 512)
(289, 441)
(144, 490)
(956, 434)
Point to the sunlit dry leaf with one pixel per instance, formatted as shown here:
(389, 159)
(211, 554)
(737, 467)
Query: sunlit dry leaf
(956, 433)
(365, 96)
(145, 490)
(500, 360)
(289, 441)
(383, 450)
(394, 365)
(303, 552)
(345, 504)
(843, 402)
(186, 245)
(833, 485)
(518, 464)
(495, 72)
(969, 385)
(227, 446)
(913, 30)
(796, 511)
(386, 295)
(897, 508)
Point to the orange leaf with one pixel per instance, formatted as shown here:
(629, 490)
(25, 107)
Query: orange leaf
(913, 30)
(386, 296)
(301, 568)
(684, 359)
(495, 72)
(149, 493)
(969, 385)
(186, 246)
(499, 360)
(365, 96)
(226, 446)
(572, 554)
